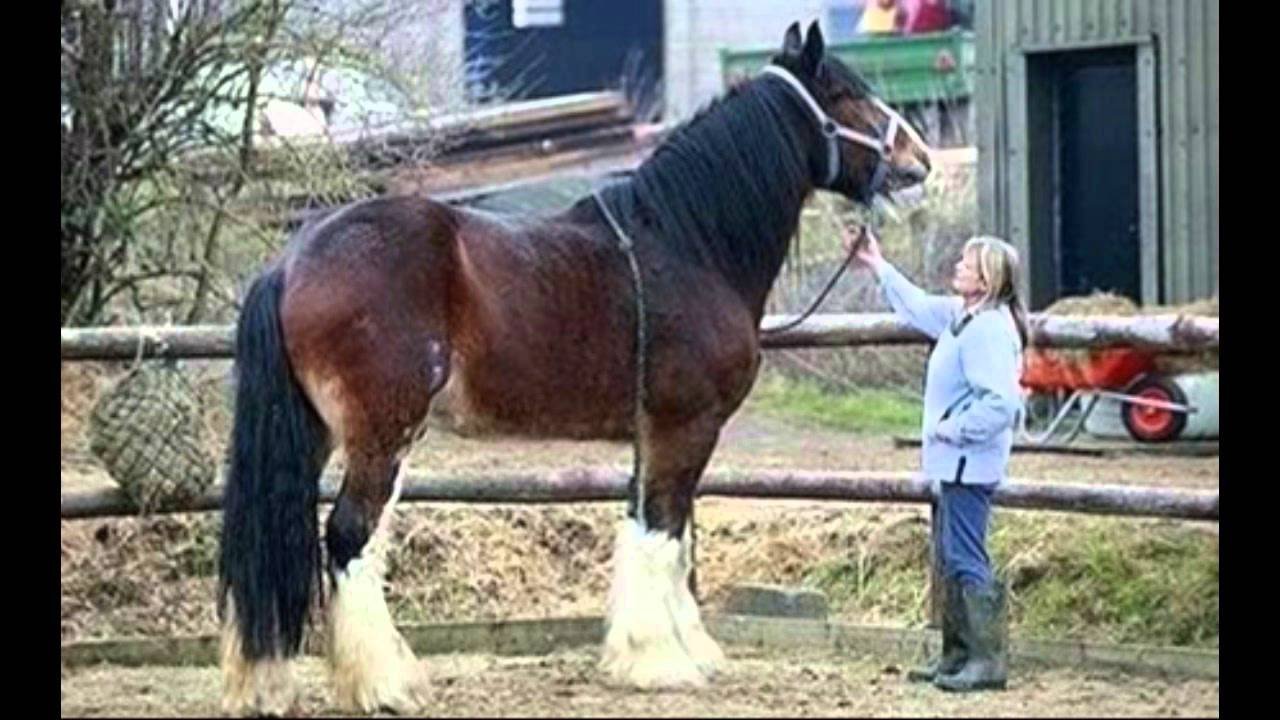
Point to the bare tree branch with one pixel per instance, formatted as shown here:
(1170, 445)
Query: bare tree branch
(164, 138)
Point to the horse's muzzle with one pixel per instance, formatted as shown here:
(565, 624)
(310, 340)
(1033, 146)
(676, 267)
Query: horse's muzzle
(909, 175)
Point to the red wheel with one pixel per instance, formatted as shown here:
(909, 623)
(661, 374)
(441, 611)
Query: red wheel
(1150, 424)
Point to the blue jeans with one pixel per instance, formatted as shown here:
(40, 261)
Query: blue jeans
(963, 514)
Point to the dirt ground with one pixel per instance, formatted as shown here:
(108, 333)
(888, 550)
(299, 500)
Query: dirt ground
(566, 684)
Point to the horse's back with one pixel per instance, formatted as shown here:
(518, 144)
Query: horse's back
(385, 229)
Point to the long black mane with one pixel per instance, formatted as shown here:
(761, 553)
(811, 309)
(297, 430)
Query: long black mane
(725, 189)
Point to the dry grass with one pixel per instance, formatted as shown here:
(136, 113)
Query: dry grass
(81, 384)
(1091, 578)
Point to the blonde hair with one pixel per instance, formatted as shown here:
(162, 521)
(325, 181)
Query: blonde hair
(998, 266)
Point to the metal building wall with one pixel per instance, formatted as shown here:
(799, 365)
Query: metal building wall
(1183, 39)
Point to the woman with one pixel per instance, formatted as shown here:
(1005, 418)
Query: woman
(971, 406)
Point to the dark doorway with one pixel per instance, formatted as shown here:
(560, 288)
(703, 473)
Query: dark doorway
(1088, 140)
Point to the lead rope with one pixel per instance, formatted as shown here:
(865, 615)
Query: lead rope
(862, 238)
(624, 242)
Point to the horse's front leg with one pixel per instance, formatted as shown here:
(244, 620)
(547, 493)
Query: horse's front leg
(372, 665)
(655, 637)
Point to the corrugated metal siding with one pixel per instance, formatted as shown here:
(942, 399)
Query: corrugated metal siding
(1186, 40)
(989, 95)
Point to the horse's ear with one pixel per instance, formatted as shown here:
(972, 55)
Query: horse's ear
(814, 47)
(791, 42)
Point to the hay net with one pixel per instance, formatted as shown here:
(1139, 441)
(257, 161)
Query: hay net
(147, 428)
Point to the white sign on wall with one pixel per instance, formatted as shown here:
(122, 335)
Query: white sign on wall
(537, 13)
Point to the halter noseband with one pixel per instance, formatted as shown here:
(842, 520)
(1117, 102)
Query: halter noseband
(833, 131)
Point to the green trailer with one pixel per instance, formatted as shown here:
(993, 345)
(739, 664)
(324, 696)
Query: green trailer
(903, 69)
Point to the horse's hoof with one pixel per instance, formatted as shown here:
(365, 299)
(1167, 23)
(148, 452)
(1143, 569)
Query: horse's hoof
(414, 701)
(653, 670)
(396, 701)
(234, 708)
(406, 695)
(402, 706)
(706, 654)
(709, 664)
(271, 698)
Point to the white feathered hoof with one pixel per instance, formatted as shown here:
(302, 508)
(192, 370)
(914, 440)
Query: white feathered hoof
(373, 668)
(396, 686)
(703, 650)
(660, 666)
(655, 638)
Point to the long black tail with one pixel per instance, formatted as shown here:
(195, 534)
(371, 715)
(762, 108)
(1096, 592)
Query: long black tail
(270, 531)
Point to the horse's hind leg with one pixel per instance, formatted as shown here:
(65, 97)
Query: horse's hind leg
(373, 667)
(655, 636)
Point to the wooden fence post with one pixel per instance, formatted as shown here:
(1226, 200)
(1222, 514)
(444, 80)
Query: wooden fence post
(936, 598)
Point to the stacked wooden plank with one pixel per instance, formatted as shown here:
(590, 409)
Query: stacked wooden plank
(516, 128)
(467, 155)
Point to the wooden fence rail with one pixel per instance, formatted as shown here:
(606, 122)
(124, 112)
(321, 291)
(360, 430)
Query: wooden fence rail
(1165, 333)
(602, 484)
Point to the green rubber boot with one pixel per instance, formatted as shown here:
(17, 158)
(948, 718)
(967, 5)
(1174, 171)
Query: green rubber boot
(954, 650)
(986, 632)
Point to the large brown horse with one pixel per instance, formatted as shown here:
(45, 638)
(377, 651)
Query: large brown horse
(532, 324)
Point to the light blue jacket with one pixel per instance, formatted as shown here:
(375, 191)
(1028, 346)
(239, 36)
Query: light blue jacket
(972, 397)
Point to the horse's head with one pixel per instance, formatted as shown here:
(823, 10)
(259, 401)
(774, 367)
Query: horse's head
(867, 148)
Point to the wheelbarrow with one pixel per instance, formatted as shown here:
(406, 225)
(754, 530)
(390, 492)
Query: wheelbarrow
(1153, 408)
